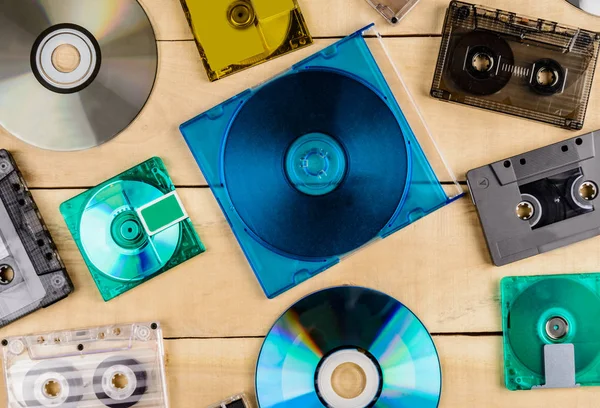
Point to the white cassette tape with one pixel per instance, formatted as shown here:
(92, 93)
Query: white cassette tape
(117, 366)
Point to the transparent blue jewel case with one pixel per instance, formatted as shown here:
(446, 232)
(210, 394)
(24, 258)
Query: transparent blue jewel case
(321, 160)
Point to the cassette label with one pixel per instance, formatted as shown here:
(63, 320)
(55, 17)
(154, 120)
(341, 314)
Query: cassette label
(110, 366)
(515, 64)
(32, 274)
(540, 200)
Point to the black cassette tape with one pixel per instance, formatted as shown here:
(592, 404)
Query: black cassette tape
(32, 275)
(540, 200)
(515, 64)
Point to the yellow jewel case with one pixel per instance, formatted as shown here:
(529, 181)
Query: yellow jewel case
(233, 35)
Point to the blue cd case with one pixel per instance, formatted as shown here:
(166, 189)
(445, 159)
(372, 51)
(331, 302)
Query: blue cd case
(321, 160)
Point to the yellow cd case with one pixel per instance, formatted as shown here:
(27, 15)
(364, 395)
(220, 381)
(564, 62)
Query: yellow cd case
(233, 35)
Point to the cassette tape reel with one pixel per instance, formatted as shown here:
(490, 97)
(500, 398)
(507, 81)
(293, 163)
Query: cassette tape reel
(32, 274)
(540, 200)
(117, 366)
(233, 35)
(551, 332)
(131, 228)
(515, 64)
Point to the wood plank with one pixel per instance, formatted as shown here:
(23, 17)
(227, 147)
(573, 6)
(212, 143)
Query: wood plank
(337, 18)
(438, 266)
(468, 137)
(201, 372)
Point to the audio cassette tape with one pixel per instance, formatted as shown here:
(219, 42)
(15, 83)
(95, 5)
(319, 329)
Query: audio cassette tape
(551, 332)
(540, 200)
(393, 10)
(117, 366)
(320, 161)
(517, 65)
(233, 35)
(32, 275)
(131, 228)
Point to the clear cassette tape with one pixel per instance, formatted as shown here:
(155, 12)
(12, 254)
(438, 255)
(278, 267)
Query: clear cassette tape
(517, 65)
(116, 366)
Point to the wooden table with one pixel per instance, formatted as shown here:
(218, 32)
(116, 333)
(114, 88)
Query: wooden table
(212, 309)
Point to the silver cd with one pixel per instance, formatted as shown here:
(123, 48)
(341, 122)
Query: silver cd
(589, 6)
(73, 73)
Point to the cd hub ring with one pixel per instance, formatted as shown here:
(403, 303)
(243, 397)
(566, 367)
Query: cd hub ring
(315, 164)
(78, 76)
(324, 379)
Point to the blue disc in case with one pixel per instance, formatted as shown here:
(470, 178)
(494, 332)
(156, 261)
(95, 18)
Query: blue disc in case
(319, 161)
(288, 217)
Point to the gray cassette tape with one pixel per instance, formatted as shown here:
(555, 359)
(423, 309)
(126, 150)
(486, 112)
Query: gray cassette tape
(540, 200)
(32, 274)
(117, 366)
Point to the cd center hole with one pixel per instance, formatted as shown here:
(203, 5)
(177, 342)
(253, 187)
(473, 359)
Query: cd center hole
(315, 163)
(588, 190)
(482, 62)
(525, 210)
(120, 381)
(66, 58)
(7, 274)
(52, 389)
(348, 380)
(547, 77)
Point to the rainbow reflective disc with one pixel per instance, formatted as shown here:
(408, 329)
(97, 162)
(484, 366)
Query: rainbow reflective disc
(335, 327)
(113, 236)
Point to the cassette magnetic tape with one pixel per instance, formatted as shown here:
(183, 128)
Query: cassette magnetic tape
(515, 64)
(540, 200)
(233, 35)
(118, 366)
(32, 274)
(551, 331)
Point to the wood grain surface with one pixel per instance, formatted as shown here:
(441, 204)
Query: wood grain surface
(212, 309)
